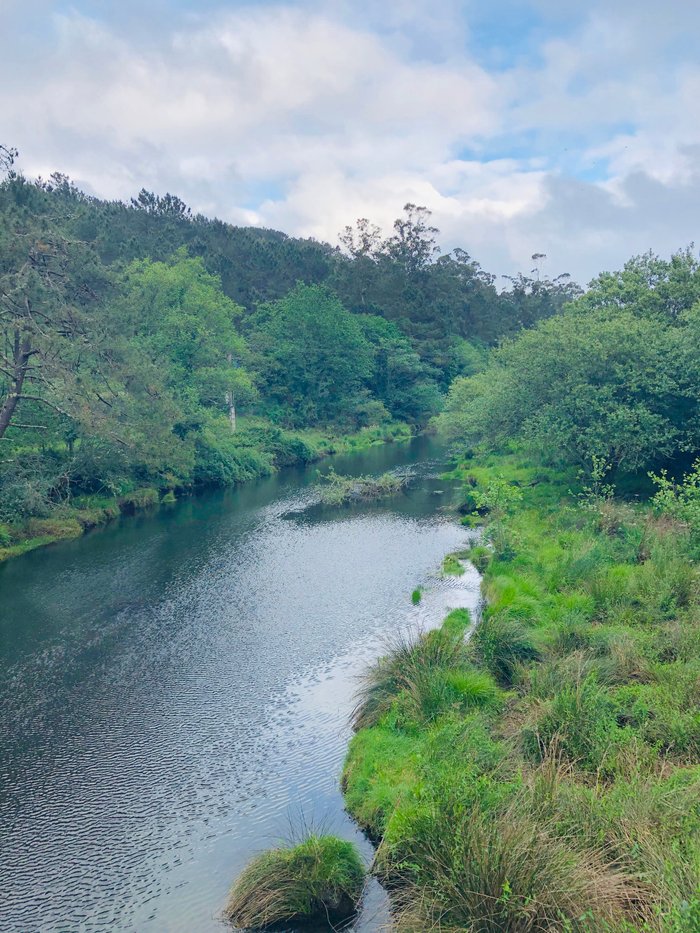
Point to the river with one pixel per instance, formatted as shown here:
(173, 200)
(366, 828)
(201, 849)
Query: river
(176, 690)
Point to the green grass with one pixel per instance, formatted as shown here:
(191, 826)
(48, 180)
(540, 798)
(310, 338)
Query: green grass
(321, 878)
(411, 678)
(452, 566)
(544, 773)
(417, 595)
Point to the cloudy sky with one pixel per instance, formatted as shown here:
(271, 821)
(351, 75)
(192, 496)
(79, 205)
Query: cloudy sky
(552, 126)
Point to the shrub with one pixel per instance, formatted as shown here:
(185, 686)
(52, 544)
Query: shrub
(138, 499)
(320, 879)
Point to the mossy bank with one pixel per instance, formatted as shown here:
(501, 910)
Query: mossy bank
(544, 774)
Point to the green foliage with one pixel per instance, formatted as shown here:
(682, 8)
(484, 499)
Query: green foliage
(571, 801)
(480, 556)
(612, 380)
(416, 595)
(314, 354)
(138, 499)
(680, 500)
(321, 878)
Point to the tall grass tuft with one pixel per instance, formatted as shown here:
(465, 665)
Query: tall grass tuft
(410, 661)
(320, 879)
(502, 643)
(491, 871)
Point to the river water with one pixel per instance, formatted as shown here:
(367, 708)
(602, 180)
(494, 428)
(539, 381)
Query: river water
(176, 689)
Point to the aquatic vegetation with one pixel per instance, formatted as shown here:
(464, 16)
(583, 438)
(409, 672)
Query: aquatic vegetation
(409, 659)
(417, 595)
(452, 566)
(480, 556)
(336, 489)
(138, 499)
(321, 878)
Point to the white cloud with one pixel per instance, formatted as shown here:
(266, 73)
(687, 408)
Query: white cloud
(305, 116)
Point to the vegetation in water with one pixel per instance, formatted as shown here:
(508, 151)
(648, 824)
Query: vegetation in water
(319, 879)
(336, 489)
(452, 566)
(417, 595)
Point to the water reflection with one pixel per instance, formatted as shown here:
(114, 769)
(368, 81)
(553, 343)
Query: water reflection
(176, 691)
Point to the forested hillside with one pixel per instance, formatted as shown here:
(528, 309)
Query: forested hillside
(147, 350)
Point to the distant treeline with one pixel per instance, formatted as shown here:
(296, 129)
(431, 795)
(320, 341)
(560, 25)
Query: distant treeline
(146, 346)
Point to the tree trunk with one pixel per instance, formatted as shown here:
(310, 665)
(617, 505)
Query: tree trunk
(20, 358)
(231, 402)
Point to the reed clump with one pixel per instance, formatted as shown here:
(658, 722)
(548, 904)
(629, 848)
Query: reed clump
(319, 879)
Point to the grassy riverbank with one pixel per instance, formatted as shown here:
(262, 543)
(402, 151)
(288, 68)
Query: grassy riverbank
(544, 776)
(261, 450)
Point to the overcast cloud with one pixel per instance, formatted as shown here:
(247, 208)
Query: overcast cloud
(538, 126)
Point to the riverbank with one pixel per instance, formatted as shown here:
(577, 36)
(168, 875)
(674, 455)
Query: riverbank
(544, 774)
(268, 449)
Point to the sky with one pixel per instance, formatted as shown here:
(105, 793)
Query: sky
(526, 126)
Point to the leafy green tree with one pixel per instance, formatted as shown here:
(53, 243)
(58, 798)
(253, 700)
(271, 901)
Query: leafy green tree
(313, 359)
(179, 320)
(648, 285)
(400, 380)
(577, 387)
(48, 285)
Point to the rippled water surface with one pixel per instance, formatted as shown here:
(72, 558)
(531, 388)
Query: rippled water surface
(176, 689)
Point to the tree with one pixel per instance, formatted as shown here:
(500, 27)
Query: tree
(312, 358)
(47, 284)
(179, 320)
(400, 380)
(649, 285)
(413, 245)
(578, 387)
(168, 205)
